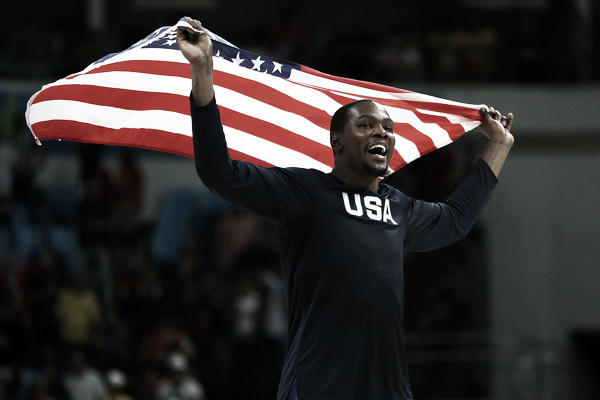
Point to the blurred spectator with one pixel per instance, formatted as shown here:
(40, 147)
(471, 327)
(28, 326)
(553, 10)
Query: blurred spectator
(44, 276)
(400, 58)
(258, 324)
(166, 337)
(109, 212)
(78, 312)
(94, 212)
(178, 383)
(125, 189)
(48, 385)
(235, 232)
(8, 158)
(13, 337)
(116, 381)
(463, 52)
(83, 382)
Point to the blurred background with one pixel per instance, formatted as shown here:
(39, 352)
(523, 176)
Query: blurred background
(121, 274)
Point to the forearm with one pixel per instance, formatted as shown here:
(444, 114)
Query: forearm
(196, 47)
(495, 154)
(434, 225)
(202, 81)
(213, 163)
(497, 129)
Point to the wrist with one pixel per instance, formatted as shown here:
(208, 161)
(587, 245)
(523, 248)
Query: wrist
(201, 64)
(502, 142)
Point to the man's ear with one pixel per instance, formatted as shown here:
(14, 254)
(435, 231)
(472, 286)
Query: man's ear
(335, 140)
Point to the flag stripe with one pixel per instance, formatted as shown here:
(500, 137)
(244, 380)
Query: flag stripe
(111, 117)
(166, 68)
(152, 139)
(115, 97)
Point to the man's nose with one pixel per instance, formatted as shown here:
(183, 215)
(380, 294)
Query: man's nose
(380, 131)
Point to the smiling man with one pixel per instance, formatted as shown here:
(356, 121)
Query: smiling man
(342, 237)
(362, 139)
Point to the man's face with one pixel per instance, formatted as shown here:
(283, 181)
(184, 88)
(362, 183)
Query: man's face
(367, 142)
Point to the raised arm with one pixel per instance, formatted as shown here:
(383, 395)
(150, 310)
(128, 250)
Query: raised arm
(497, 129)
(196, 47)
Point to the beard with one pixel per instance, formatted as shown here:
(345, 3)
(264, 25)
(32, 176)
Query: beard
(375, 171)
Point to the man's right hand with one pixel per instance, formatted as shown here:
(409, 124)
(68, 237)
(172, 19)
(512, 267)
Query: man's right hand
(196, 47)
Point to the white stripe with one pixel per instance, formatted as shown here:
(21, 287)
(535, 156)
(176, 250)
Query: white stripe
(132, 81)
(110, 117)
(470, 125)
(420, 97)
(268, 151)
(407, 149)
(465, 122)
(437, 134)
(306, 78)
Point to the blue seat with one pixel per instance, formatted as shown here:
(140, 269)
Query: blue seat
(176, 211)
(4, 239)
(64, 240)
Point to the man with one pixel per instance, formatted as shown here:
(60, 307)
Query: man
(342, 237)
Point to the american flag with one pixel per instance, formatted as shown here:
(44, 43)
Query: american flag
(274, 112)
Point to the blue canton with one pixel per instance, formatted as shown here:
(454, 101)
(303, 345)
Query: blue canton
(237, 56)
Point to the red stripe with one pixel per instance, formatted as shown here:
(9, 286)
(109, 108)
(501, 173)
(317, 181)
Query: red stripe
(354, 82)
(423, 142)
(238, 155)
(151, 139)
(470, 113)
(118, 98)
(156, 67)
(397, 162)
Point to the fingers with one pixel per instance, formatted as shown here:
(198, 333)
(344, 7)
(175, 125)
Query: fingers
(509, 120)
(190, 31)
(195, 24)
(496, 115)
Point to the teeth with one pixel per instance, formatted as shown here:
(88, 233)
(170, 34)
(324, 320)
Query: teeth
(382, 148)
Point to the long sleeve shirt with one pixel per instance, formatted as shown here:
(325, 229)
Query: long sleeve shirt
(341, 262)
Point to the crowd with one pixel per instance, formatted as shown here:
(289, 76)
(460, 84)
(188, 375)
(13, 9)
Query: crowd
(90, 309)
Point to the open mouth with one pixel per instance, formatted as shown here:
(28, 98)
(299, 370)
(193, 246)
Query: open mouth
(378, 151)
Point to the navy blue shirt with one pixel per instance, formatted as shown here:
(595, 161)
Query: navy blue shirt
(341, 257)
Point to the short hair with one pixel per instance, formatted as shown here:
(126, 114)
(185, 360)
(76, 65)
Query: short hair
(342, 115)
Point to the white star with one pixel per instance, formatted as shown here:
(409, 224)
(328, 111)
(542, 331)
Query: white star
(277, 67)
(257, 63)
(218, 53)
(237, 60)
(170, 42)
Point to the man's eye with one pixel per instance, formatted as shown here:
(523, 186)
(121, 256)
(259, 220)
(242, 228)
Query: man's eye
(366, 125)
